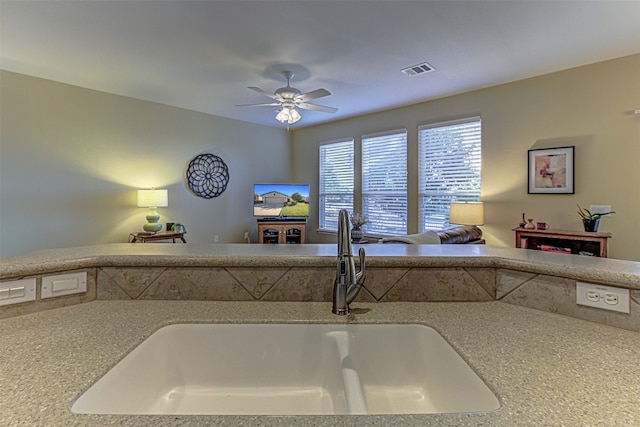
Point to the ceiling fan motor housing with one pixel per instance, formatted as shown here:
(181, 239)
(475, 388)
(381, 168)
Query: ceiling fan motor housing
(288, 92)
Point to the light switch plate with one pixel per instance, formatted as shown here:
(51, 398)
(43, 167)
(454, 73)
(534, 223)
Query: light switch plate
(64, 284)
(599, 209)
(17, 291)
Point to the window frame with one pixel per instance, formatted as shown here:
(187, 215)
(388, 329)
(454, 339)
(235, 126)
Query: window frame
(328, 212)
(438, 218)
(386, 207)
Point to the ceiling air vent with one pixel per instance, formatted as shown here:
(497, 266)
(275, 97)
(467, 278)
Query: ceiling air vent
(416, 70)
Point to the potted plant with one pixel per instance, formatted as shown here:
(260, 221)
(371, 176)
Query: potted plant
(591, 221)
(179, 227)
(357, 220)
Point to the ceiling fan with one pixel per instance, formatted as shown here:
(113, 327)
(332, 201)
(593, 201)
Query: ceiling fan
(289, 98)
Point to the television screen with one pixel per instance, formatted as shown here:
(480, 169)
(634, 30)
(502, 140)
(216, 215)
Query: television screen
(281, 200)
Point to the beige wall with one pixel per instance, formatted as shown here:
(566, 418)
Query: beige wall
(71, 160)
(589, 107)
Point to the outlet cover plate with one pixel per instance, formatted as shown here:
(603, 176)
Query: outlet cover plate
(64, 284)
(17, 291)
(604, 297)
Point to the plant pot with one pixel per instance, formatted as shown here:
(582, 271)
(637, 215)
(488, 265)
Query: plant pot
(356, 234)
(591, 225)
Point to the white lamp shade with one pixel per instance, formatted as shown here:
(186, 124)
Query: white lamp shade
(470, 213)
(153, 198)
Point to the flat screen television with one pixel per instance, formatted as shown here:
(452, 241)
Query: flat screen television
(281, 200)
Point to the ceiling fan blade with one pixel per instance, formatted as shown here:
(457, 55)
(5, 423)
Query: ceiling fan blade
(315, 107)
(314, 94)
(262, 92)
(268, 104)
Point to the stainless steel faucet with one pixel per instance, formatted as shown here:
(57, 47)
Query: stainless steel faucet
(348, 282)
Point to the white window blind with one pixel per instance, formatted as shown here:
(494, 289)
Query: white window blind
(449, 168)
(336, 182)
(384, 182)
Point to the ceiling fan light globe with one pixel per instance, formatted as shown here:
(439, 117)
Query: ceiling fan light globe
(294, 116)
(282, 116)
(288, 115)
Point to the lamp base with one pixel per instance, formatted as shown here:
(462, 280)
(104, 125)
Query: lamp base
(152, 226)
(152, 221)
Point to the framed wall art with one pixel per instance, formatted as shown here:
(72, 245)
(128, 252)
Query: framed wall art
(207, 175)
(551, 171)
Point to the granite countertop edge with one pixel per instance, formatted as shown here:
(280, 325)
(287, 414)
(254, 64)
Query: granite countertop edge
(602, 270)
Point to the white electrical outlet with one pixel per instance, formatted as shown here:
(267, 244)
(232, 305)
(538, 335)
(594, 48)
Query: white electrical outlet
(216, 239)
(600, 209)
(600, 296)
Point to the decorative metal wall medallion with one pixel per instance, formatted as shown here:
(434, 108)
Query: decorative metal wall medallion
(207, 176)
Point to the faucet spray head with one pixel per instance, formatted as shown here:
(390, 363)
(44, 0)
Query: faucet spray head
(344, 236)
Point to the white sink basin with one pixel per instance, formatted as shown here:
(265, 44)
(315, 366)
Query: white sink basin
(287, 369)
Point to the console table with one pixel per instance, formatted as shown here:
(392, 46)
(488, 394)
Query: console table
(563, 241)
(279, 232)
(164, 235)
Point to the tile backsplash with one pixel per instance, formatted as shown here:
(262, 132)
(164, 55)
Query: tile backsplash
(418, 284)
(542, 292)
(558, 295)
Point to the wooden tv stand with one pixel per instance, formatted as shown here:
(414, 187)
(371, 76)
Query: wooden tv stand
(579, 242)
(282, 231)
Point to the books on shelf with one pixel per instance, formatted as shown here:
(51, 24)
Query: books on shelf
(555, 249)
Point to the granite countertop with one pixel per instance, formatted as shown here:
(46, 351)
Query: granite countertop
(546, 369)
(602, 270)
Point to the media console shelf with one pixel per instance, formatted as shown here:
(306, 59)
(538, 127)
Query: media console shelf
(563, 241)
(282, 231)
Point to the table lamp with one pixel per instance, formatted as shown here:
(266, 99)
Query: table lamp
(153, 199)
(466, 213)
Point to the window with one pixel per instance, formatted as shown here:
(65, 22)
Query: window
(449, 169)
(384, 182)
(336, 182)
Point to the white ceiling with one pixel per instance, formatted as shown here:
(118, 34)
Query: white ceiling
(202, 55)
